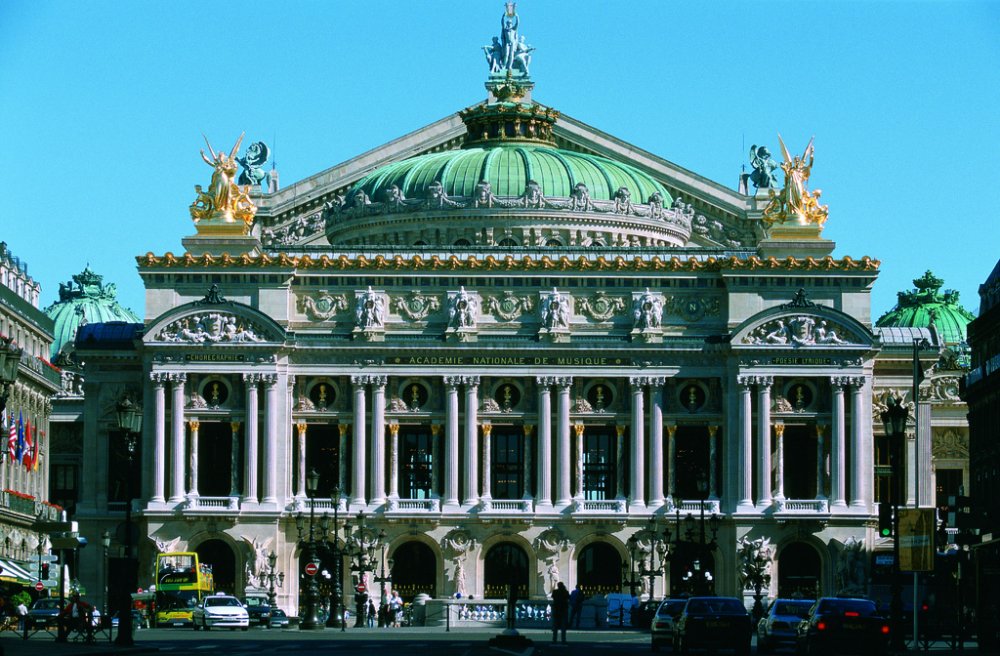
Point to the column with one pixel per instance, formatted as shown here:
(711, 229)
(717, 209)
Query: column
(253, 444)
(763, 457)
(177, 461)
(638, 486)
(342, 430)
(394, 460)
(578, 428)
(713, 462)
(779, 457)
(451, 441)
(270, 438)
(672, 460)
(858, 499)
(837, 487)
(656, 442)
(436, 460)
(193, 425)
(544, 441)
(744, 478)
(528, 463)
(820, 461)
(234, 459)
(471, 437)
(487, 429)
(620, 460)
(301, 427)
(159, 436)
(378, 439)
(563, 463)
(358, 482)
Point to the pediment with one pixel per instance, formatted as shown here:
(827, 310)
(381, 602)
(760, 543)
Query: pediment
(803, 325)
(214, 324)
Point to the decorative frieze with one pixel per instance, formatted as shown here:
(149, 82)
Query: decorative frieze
(213, 328)
(322, 306)
(508, 306)
(600, 306)
(802, 330)
(415, 306)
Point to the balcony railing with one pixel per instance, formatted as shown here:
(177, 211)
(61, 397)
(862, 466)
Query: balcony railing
(802, 506)
(413, 506)
(17, 504)
(506, 506)
(599, 506)
(214, 504)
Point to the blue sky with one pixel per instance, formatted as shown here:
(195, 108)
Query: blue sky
(102, 107)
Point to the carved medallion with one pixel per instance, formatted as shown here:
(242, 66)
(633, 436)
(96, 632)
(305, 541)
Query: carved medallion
(601, 307)
(323, 306)
(508, 307)
(415, 306)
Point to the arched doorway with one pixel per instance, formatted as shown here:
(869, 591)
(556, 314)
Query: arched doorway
(220, 556)
(799, 571)
(414, 570)
(505, 563)
(599, 569)
(692, 570)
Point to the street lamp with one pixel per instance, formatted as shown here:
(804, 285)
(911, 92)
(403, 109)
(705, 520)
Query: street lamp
(10, 358)
(693, 540)
(894, 421)
(382, 579)
(273, 578)
(129, 414)
(336, 616)
(106, 543)
(364, 553)
(311, 621)
(643, 566)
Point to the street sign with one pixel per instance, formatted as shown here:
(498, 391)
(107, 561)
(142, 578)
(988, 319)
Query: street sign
(361, 587)
(39, 586)
(916, 539)
(311, 569)
(48, 558)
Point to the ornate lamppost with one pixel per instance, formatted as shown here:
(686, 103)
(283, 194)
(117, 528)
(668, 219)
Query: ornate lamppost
(336, 616)
(273, 578)
(363, 550)
(129, 414)
(10, 358)
(383, 578)
(311, 621)
(106, 544)
(647, 563)
(755, 565)
(894, 420)
(694, 541)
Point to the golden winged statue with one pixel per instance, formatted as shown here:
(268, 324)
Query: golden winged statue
(795, 203)
(225, 200)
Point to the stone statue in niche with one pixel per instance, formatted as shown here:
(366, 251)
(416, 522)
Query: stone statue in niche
(555, 311)
(370, 310)
(463, 310)
(647, 311)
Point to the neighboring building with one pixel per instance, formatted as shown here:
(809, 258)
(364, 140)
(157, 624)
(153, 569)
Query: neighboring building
(85, 299)
(25, 334)
(982, 393)
(511, 340)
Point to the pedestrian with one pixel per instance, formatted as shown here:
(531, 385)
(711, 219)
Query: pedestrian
(575, 607)
(372, 612)
(396, 609)
(560, 610)
(22, 615)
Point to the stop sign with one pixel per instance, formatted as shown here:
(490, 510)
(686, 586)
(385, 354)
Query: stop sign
(39, 586)
(311, 569)
(139, 590)
(361, 588)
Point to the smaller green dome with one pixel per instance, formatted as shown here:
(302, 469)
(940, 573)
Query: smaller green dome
(86, 299)
(927, 306)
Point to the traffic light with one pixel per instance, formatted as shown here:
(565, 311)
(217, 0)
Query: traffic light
(45, 572)
(885, 520)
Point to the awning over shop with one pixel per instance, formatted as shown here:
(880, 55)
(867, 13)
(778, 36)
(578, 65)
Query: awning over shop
(14, 572)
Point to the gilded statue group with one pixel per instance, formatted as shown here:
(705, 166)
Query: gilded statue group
(509, 52)
(794, 203)
(225, 200)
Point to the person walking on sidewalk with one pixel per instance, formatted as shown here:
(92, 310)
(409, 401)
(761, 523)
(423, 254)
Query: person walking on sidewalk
(560, 610)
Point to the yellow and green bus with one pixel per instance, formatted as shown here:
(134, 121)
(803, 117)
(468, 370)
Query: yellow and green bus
(181, 583)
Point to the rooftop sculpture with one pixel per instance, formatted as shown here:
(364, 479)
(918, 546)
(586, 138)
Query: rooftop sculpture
(795, 203)
(509, 54)
(225, 201)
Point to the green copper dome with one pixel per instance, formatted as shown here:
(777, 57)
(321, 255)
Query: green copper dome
(84, 300)
(926, 306)
(509, 168)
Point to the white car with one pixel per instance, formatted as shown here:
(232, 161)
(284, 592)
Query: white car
(220, 610)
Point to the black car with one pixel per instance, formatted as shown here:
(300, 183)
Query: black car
(713, 623)
(838, 625)
(44, 613)
(642, 615)
(259, 610)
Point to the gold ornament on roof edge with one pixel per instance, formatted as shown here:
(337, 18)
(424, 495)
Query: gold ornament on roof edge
(795, 204)
(225, 201)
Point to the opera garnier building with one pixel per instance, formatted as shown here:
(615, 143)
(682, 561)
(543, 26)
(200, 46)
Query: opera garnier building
(506, 347)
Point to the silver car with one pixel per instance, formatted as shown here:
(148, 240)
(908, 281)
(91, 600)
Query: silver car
(279, 620)
(662, 627)
(220, 610)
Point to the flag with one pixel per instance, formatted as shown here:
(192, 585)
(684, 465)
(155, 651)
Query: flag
(12, 437)
(3, 434)
(38, 448)
(20, 437)
(29, 446)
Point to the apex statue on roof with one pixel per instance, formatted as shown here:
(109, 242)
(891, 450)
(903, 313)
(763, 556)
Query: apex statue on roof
(509, 54)
(795, 204)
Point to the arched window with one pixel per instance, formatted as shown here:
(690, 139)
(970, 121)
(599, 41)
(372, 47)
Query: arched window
(505, 563)
(414, 570)
(599, 569)
(507, 243)
(798, 571)
(462, 242)
(220, 556)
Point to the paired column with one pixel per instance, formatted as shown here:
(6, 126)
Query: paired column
(544, 440)
(378, 439)
(763, 458)
(193, 425)
(159, 436)
(487, 429)
(837, 450)
(300, 490)
(177, 460)
(394, 460)
(744, 477)
(656, 441)
(471, 437)
(451, 384)
(271, 438)
(251, 381)
(858, 497)
(359, 383)
(563, 462)
(578, 461)
(779, 457)
(638, 482)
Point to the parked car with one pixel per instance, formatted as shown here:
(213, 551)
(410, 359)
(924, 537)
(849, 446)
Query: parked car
(662, 627)
(780, 623)
(713, 623)
(279, 620)
(259, 608)
(838, 625)
(220, 610)
(44, 613)
(642, 615)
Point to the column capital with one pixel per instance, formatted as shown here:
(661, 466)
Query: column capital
(638, 381)
(528, 429)
(394, 429)
(193, 424)
(378, 381)
(252, 379)
(657, 381)
(578, 428)
(544, 381)
(159, 378)
(562, 382)
(269, 380)
(452, 381)
(857, 382)
(470, 381)
(301, 425)
(838, 383)
(343, 429)
(755, 379)
(177, 377)
(712, 430)
(487, 429)
(360, 379)
(671, 430)
(235, 425)
(779, 428)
